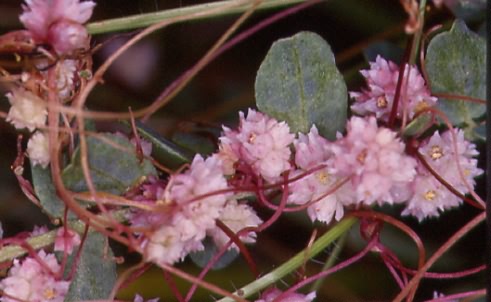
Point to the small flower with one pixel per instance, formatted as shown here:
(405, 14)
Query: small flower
(66, 240)
(236, 217)
(58, 22)
(27, 111)
(374, 160)
(312, 151)
(271, 294)
(29, 281)
(196, 207)
(261, 142)
(64, 78)
(165, 246)
(204, 177)
(430, 196)
(38, 149)
(382, 80)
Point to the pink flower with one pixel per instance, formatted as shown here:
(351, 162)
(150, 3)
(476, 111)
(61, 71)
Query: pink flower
(374, 159)
(38, 149)
(311, 151)
(271, 294)
(27, 109)
(29, 281)
(66, 240)
(58, 22)
(236, 217)
(430, 196)
(261, 142)
(65, 74)
(195, 206)
(379, 97)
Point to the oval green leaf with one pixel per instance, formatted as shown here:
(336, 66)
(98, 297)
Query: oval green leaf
(114, 167)
(298, 82)
(456, 64)
(46, 192)
(95, 273)
(166, 152)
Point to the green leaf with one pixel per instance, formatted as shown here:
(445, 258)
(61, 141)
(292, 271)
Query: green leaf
(163, 150)
(478, 133)
(96, 271)
(298, 82)
(456, 64)
(114, 168)
(418, 125)
(195, 142)
(202, 258)
(474, 10)
(46, 191)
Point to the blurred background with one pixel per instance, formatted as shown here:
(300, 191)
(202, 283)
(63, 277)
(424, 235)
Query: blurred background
(357, 30)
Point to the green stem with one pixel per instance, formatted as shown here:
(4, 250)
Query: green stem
(13, 251)
(331, 260)
(144, 20)
(298, 260)
(418, 33)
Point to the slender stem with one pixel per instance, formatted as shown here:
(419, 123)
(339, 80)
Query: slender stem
(418, 33)
(296, 261)
(445, 247)
(331, 260)
(144, 20)
(13, 251)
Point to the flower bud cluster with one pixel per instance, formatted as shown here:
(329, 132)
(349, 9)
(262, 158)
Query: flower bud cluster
(58, 24)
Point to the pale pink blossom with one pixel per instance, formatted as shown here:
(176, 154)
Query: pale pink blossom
(311, 152)
(58, 22)
(65, 74)
(236, 217)
(29, 281)
(66, 240)
(196, 202)
(261, 142)
(375, 161)
(194, 191)
(430, 197)
(165, 246)
(38, 149)
(271, 294)
(378, 98)
(27, 109)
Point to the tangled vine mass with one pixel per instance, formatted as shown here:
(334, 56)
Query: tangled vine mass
(400, 144)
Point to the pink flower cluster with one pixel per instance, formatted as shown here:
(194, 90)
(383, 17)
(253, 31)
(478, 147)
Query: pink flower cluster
(378, 98)
(369, 165)
(30, 281)
(446, 154)
(196, 199)
(58, 23)
(260, 142)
